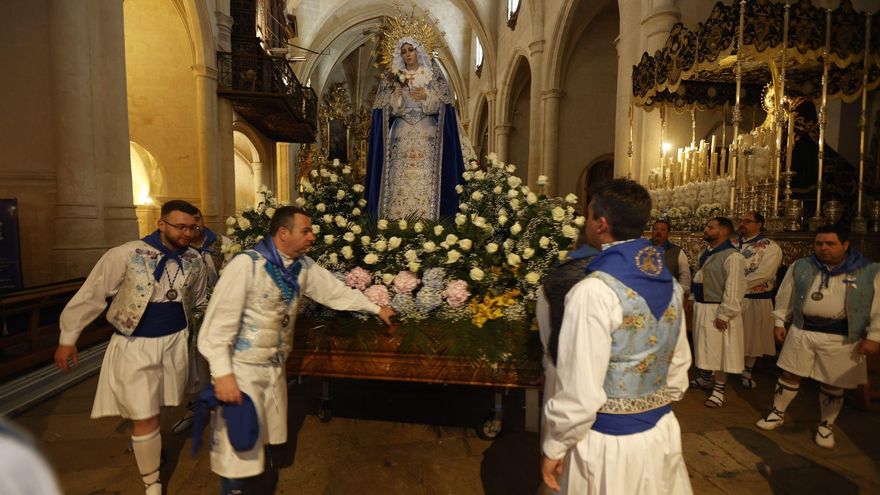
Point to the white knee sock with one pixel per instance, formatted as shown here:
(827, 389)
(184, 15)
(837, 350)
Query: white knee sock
(148, 454)
(830, 404)
(749, 364)
(785, 393)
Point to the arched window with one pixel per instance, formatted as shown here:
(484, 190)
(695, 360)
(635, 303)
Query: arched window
(478, 58)
(512, 13)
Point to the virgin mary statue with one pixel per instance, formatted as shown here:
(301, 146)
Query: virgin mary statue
(415, 158)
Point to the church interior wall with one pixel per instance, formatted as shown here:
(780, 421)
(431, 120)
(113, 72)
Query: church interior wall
(519, 116)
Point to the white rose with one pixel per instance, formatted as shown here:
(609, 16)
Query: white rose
(497, 190)
(382, 224)
(563, 255)
(230, 221)
(321, 207)
(235, 248)
(356, 229)
(452, 256)
(532, 278)
(508, 243)
(413, 266)
(502, 220)
(569, 231)
(451, 239)
(438, 229)
(477, 196)
(514, 181)
(512, 193)
(542, 180)
(358, 188)
(571, 198)
(525, 190)
(531, 198)
(514, 204)
(528, 253)
(491, 248)
(259, 238)
(492, 157)
(346, 170)
(515, 228)
(362, 203)
(467, 176)
(340, 194)
(334, 258)
(244, 223)
(460, 219)
(479, 175)
(569, 210)
(511, 168)
(464, 207)
(334, 177)
(429, 247)
(387, 278)
(477, 274)
(328, 218)
(558, 214)
(300, 201)
(346, 252)
(348, 237)
(513, 259)
(402, 224)
(410, 255)
(394, 243)
(316, 229)
(459, 189)
(365, 240)
(465, 244)
(544, 242)
(418, 227)
(230, 231)
(380, 246)
(479, 222)
(329, 239)
(340, 221)
(371, 259)
(314, 173)
(336, 162)
(356, 211)
(579, 221)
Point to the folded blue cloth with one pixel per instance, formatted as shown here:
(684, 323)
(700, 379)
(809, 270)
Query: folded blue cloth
(242, 424)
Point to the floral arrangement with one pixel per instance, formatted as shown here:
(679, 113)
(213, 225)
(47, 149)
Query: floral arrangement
(479, 269)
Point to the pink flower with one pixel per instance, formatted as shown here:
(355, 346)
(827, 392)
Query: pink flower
(358, 278)
(404, 282)
(457, 293)
(378, 294)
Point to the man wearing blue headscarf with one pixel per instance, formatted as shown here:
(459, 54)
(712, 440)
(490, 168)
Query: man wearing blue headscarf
(622, 359)
(156, 283)
(832, 303)
(247, 336)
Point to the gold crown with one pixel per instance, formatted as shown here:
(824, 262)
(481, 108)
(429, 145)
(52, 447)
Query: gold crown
(405, 25)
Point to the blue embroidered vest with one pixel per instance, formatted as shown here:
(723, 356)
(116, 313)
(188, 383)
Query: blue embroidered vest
(641, 350)
(859, 295)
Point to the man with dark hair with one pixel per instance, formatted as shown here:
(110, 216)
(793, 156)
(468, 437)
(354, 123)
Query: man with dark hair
(248, 333)
(673, 255)
(832, 302)
(622, 359)
(718, 289)
(763, 257)
(156, 283)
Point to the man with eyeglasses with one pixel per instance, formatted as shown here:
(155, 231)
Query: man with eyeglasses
(763, 257)
(247, 336)
(155, 283)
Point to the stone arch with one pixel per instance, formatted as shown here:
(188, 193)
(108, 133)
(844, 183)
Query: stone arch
(597, 170)
(570, 18)
(248, 162)
(516, 108)
(479, 130)
(519, 57)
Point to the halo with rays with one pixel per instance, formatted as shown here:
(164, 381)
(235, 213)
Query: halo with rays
(408, 25)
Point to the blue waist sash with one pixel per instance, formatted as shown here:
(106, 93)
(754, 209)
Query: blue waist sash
(760, 295)
(161, 319)
(826, 325)
(627, 424)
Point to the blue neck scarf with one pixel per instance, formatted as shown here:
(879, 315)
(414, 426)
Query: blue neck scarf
(854, 261)
(667, 245)
(155, 241)
(290, 275)
(210, 238)
(634, 264)
(709, 252)
(742, 242)
(582, 252)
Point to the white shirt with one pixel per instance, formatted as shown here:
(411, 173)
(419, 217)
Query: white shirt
(832, 304)
(684, 271)
(770, 259)
(592, 313)
(223, 317)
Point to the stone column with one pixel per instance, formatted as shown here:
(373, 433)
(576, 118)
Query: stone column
(490, 116)
(282, 171)
(79, 236)
(209, 158)
(551, 99)
(536, 131)
(120, 222)
(502, 135)
(257, 168)
(227, 157)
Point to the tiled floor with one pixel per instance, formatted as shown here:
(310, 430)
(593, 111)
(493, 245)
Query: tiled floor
(394, 438)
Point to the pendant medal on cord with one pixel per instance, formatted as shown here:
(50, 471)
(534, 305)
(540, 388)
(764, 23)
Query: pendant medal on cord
(171, 294)
(817, 296)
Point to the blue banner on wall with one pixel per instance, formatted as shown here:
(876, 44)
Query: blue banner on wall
(10, 250)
